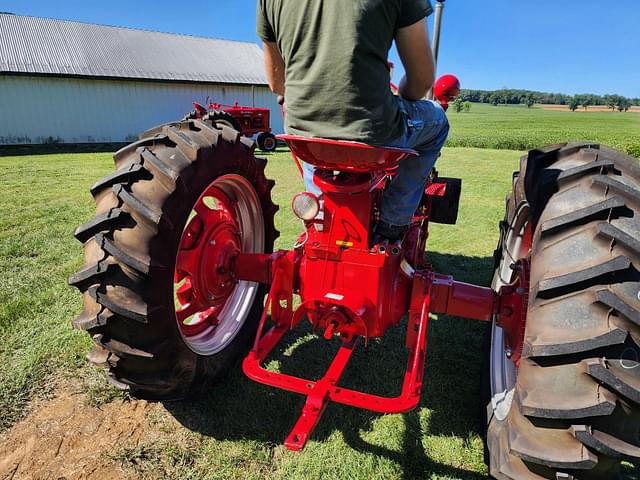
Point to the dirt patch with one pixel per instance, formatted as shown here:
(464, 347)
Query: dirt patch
(66, 438)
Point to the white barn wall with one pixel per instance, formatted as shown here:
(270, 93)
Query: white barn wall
(70, 110)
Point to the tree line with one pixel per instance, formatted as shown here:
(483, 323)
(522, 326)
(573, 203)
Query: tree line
(529, 98)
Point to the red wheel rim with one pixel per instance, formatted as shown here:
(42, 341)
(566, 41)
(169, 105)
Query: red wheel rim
(204, 284)
(203, 277)
(507, 340)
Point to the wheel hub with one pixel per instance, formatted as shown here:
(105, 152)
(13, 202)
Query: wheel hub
(514, 300)
(203, 267)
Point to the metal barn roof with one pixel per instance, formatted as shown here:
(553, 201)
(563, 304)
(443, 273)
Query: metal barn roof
(45, 46)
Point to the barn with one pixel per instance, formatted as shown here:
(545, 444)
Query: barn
(75, 83)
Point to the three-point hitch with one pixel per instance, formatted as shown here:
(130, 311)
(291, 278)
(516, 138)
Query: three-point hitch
(348, 285)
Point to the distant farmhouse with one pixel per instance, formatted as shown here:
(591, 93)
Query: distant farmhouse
(71, 82)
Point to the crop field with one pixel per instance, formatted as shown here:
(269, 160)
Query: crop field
(517, 127)
(59, 419)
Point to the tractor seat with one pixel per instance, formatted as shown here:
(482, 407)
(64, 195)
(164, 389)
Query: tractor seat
(343, 155)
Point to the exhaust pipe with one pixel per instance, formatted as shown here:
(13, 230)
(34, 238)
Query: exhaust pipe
(435, 42)
(437, 23)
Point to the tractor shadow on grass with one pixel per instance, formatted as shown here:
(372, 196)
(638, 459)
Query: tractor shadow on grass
(238, 408)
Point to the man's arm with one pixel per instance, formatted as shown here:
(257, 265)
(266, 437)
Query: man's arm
(416, 56)
(274, 66)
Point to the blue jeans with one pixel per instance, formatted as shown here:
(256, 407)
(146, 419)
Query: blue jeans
(426, 130)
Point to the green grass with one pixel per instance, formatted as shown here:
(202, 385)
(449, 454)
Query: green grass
(237, 430)
(519, 128)
(43, 199)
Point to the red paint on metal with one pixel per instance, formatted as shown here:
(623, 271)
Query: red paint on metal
(253, 267)
(200, 110)
(462, 299)
(252, 120)
(345, 156)
(203, 273)
(514, 298)
(512, 309)
(340, 255)
(320, 392)
(350, 287)
(436, 189)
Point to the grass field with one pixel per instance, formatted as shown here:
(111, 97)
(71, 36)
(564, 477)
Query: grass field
(238, 429)
(517, 127)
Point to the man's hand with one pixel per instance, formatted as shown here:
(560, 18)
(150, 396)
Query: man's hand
(417, 59)
(274, 66)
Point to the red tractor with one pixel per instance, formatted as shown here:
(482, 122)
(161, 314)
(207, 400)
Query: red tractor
(247, 120)
(180, 280)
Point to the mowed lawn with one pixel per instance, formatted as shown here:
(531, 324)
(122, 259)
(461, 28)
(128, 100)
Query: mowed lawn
(236, 432)
(520, 128)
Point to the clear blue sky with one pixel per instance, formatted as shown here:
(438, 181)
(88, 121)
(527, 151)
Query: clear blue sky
(568, 46)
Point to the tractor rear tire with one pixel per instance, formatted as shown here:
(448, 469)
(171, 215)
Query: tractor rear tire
(224, 119)
(571, 410)
(131, 247)
(267, 142)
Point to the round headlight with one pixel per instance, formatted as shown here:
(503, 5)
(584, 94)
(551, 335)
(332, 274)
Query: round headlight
(305, 205)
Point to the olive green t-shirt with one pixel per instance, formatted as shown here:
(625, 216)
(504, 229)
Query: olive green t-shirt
(335, 53)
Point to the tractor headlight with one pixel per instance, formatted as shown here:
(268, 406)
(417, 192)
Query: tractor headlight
(305, 205)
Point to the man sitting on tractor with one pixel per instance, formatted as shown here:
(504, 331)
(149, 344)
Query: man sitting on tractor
(329, 60)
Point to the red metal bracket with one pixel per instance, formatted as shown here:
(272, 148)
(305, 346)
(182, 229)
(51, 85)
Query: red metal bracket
(326, 389)
(513, 303)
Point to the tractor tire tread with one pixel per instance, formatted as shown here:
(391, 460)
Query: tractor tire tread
(598, 274)
(537, 347)
(540, 387)
(600, 211)
(614, 302)
(151, 161)
(129, 240)
(137, 206)
(577, 396)
(127, 174)
(121, 349)
(626, 385)
(583, 170)
(620, 188)
(102, 223)
(130, 261)
(134, 310)
(606, 444)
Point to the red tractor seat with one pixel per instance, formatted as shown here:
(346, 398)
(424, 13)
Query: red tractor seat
(343, 155)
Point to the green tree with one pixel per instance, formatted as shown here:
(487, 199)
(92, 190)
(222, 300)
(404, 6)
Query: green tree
(466, 107)
(528, 100)
(457, 105)
(623, 104)
(574, 103)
